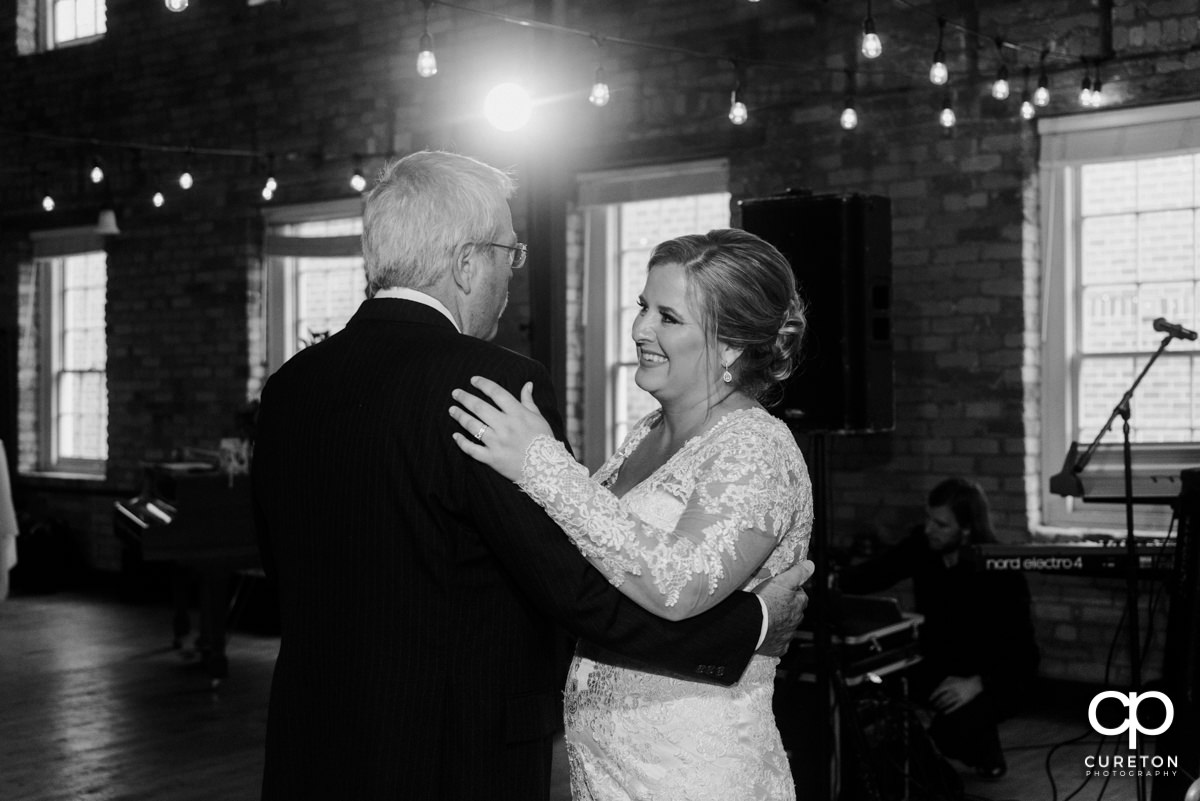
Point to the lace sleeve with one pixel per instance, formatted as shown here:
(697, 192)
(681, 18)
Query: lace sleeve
(742, 493)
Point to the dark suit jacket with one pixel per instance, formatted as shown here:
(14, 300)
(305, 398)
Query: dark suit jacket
(419, 590)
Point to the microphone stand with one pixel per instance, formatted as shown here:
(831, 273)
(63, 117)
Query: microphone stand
(1131, 575)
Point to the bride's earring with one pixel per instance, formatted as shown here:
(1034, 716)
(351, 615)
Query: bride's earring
(726, 376)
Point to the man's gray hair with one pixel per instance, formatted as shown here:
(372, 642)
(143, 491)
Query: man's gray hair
(421, 209)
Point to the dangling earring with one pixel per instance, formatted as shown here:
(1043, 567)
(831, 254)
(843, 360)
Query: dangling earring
(726, 376)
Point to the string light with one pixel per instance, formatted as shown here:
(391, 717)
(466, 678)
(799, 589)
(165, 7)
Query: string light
(97, 172)
(1041, 95)
(849, 118)
(357, 182)
(938, 74)
(426, 60)
(48, 202)
(1000, 88)
(176, 5)
(269, 186)
(738, 113)
(599, 95)
(947, 117)
(872, 47)
(158, 200)
(1085, 88)
(1027, 109)
(1097, 98)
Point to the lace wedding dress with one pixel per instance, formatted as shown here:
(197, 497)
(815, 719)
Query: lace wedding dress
(730, 509)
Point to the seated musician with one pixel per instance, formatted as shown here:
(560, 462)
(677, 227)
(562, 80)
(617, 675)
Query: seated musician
(979, 655)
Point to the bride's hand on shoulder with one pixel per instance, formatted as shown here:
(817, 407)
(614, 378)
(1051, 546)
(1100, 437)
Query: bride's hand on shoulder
(497, 433)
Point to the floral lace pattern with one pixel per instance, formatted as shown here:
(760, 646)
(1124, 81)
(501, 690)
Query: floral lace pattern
(730, 509)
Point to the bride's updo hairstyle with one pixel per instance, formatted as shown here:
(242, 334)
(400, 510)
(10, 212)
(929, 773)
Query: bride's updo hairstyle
(747, 293)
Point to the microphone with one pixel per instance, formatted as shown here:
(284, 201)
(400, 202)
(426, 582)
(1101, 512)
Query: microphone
(1174, 329)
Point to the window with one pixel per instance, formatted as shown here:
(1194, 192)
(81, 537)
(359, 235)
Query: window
(316, 277)
(626, 213)
(1121, 244)
(64, 347)
(73, 21)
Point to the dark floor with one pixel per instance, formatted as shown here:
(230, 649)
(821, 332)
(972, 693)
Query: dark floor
(95, 704)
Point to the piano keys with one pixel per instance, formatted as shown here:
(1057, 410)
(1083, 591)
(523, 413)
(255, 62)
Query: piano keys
(1110, 558)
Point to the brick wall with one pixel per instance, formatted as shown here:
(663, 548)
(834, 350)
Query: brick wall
(317, 83)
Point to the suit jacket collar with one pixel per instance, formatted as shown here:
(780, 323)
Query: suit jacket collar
(403, 311)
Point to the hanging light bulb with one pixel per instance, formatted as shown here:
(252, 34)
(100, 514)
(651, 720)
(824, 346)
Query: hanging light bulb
(872, 47)
(1085, 91)
(97, 172)
(1027, 109)
(1097, 99)
(268, 190)
(176, 5)
(849, 119)
(599, 96)
(357, 182)
(947, 118)
(158, 200)
(426, 60)
(1000, 88)
(48, 202)
(738, 114)
(1041, 95)
(185, 179)
(938, 73)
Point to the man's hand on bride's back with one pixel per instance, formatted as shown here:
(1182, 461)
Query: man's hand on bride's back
(785, 606)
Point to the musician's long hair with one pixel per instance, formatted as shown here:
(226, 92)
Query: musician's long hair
(969, 503)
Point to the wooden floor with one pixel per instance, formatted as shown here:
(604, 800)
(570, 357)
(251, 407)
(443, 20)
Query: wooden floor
(95, 704)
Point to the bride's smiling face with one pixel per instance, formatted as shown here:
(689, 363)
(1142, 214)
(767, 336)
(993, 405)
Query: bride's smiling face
(675, 359)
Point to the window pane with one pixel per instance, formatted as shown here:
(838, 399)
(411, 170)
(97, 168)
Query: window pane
(1109, 249)
(64, 21)
(1165, 183)
(1109, 188)
(1109, 319)
(328, 292)
(1166, 246)
(82, 394)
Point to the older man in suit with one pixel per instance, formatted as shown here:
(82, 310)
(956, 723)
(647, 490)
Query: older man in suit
(419, 590)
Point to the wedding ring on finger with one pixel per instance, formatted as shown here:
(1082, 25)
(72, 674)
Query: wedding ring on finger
(479, 434)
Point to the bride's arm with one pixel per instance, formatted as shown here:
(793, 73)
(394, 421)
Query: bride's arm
(747, 494)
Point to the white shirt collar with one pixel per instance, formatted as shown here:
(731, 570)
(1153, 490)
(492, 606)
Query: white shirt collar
(415, 295)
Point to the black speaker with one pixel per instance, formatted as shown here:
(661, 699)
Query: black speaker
(840, 248)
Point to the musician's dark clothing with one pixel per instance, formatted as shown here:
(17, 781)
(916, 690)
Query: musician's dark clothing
(976, 623)
(419, 589)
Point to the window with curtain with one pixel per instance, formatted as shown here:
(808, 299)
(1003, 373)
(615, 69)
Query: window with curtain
(626, 213)
(315, 275)
(69, 22)
(1121, 229)
(64, 337)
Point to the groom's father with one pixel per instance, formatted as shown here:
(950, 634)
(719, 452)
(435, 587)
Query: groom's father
(419, 590)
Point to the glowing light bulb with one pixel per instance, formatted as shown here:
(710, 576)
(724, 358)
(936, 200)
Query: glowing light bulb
(176, 5)
(938, 74)
(1041, 96)
(426, 60)
(268, 190)
(1085, 92)
(507, 107)
(599, 96)
(947, 118)
(849, 118)
(738, 114)
(158, 200)
(1027, 110)
(97, 173)
(48, 203)
(357, 182)
(185, 180)
(1000, 89)
(872, 46)
(1097, 98)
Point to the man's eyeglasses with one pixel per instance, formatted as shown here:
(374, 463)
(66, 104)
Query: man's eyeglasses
(516, 259)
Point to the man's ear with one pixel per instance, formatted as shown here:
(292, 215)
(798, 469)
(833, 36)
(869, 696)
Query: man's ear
(465, 268)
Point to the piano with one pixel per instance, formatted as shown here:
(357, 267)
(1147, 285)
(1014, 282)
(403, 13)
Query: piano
(199, 519)
(1155, 557)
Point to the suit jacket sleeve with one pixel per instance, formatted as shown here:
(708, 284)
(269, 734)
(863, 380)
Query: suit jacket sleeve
(715, 646)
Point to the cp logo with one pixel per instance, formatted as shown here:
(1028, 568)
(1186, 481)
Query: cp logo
(1131, 723)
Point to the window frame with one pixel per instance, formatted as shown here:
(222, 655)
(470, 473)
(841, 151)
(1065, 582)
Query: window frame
(47, 29)
(50, 248)
(599, 195)
(1068, 143)
(278, 250)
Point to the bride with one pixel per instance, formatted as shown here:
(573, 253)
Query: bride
(707, 495)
